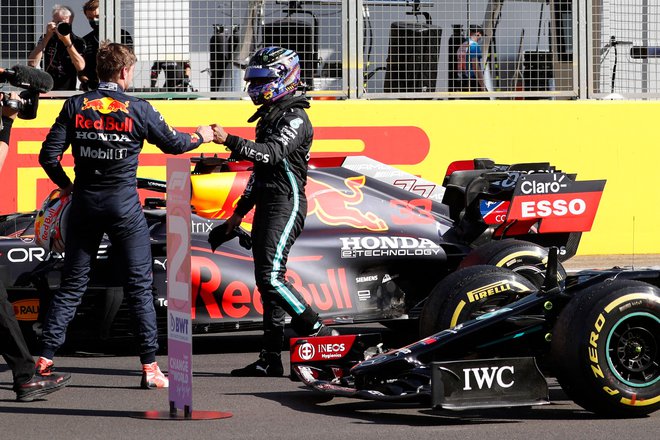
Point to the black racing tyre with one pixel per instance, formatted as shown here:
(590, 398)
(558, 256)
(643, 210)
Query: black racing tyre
(605, 345)
(523, 257)
(469, 293)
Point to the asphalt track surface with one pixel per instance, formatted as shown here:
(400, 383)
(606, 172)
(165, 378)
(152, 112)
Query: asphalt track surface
(104, 401)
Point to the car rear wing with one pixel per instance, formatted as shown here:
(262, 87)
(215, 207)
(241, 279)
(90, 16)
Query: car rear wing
(556, 202)
(520, 198)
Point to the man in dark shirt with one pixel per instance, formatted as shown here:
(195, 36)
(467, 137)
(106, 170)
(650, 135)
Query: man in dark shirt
(60, 50)
(89, 80)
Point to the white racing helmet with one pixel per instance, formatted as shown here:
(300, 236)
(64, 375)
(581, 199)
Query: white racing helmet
(49, 230)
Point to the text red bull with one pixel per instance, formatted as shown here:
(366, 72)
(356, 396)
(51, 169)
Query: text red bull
(105, 123)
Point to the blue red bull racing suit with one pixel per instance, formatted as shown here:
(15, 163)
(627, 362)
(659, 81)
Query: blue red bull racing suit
(106, 129)
(276, 189)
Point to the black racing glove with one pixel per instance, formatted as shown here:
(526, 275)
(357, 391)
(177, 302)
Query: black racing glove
(219, 235)
(244, 238)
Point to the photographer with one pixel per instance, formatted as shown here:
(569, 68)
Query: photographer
(61, 50)
(28, 384)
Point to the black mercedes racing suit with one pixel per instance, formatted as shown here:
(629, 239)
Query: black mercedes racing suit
(106, 129)
(276, 189)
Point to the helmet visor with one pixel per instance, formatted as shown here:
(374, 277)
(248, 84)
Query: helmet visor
(254, 72)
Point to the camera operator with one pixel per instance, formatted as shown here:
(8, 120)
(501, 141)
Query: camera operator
(60, 49)
(28, 384)
(8, 116)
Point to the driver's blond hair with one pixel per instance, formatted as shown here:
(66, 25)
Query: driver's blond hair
(111, 58)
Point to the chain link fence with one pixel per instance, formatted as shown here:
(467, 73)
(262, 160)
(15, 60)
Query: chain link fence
(626, 47)
(374, 49)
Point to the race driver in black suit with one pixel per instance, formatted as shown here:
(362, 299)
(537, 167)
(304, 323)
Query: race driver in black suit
(276, 189)
(106, 129)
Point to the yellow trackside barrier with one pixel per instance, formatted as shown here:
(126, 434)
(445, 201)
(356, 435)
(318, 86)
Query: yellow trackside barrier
(613, 140)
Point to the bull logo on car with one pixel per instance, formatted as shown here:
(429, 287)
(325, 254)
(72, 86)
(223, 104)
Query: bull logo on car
(335, 207)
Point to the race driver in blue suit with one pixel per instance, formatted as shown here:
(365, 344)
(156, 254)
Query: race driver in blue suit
(106, 129)
(276, 189)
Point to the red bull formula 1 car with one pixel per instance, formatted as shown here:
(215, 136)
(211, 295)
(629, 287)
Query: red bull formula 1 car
(377, 242)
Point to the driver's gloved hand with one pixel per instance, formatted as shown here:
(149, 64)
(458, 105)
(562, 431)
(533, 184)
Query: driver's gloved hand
(220, 235)
(244, 238)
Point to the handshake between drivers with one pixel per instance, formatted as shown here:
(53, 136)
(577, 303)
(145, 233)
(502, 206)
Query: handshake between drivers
(213, 132)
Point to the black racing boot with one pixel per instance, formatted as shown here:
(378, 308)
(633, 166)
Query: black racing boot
(269, 364)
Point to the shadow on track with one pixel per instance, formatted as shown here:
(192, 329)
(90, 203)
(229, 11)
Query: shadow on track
(384, 413)
(68, 412)
(377, 413)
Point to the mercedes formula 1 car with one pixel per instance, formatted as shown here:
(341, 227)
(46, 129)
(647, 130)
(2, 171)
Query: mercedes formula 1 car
(600, 337)
(376, 244)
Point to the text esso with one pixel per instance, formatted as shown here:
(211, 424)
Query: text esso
(558, 207)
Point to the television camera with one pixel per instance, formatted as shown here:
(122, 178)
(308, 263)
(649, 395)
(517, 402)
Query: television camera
(34, 81)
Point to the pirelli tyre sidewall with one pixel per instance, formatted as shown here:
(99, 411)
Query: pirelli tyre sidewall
(523, 257)
(469, 293)
(605, 348)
